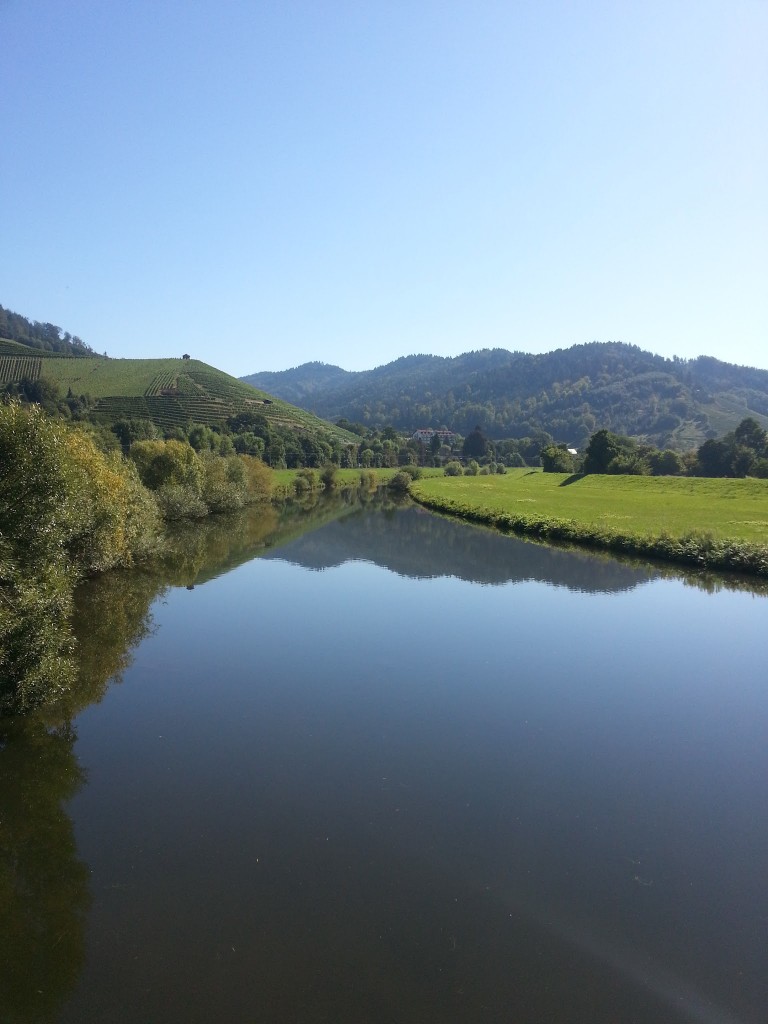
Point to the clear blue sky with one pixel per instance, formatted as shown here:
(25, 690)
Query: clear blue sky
(266, 183)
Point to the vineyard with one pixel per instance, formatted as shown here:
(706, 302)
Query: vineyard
(15, 368)
(13, 348)
(170, 392)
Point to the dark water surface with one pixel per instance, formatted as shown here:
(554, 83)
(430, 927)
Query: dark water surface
(395, 769)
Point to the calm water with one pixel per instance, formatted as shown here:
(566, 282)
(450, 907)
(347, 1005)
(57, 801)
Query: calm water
(383, 767)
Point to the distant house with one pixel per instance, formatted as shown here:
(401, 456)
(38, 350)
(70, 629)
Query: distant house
(426, 434)
(185, 356)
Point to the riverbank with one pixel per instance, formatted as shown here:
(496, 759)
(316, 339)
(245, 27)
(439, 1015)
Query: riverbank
(717, 524)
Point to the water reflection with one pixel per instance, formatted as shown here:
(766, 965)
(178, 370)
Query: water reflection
(43, 884)
(49, 654)
(415, 543)
(443, 828)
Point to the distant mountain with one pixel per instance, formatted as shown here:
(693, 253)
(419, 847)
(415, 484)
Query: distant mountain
(569, 393)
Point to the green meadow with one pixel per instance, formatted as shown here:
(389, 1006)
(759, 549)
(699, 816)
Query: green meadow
(713, 523)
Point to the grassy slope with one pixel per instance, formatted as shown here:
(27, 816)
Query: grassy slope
(131, 387)
(672, 517)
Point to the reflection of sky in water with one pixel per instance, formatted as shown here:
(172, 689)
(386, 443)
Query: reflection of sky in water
(436, 798)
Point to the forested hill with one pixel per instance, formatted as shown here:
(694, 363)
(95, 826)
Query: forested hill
(569, 393)
(43, 336)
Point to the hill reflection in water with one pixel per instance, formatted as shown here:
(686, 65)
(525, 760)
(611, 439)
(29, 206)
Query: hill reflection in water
(413, 542)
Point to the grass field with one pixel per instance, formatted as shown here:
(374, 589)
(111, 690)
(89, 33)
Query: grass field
(715, 523)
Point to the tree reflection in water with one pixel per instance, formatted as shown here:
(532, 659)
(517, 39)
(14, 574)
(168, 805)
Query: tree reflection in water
(44, 895)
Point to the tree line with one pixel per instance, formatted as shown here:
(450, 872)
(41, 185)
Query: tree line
(739, 453)
(44, 336)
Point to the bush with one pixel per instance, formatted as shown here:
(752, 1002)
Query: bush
(329, 476)
(167, 462)
(400, 482)
(176, 502)
(258, 478)
(453, 468)
(224, 486)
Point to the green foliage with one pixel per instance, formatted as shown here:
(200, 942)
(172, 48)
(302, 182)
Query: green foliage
(128, 431)
(476, 445)
(66, 509)
(329, 476)
(453, 468)
(740, 453)
(400, 482)
(167, 462)
(224, 483)
(43, 336)
(666, 463)
(557, 459)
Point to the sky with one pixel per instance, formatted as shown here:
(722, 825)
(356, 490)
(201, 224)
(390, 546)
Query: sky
(262, 183)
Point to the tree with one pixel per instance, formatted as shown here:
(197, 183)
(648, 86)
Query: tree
(556, 458)
(666, 463)
(751, 435)
(475, 445)
(612, 453)
(129, 430)
(167, 462)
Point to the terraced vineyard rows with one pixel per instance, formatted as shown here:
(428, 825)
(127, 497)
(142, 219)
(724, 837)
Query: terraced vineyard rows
(171, 392)
(165, 381)
(13, 368)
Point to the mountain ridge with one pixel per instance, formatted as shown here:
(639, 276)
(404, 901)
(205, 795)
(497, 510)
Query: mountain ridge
(568, 393)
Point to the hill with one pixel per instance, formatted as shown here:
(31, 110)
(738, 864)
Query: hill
(169, 392)
(33, 334)
(569, 393)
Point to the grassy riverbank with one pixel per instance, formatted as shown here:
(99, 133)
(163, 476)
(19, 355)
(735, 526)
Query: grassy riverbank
(717, 524)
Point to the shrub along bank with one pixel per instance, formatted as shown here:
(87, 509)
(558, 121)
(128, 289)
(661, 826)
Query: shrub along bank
(716, 524)
(69, 509)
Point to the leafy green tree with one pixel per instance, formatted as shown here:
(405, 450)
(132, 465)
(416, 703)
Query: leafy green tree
(249, 443)
(557, 459)
(612, 453)
(167, 462)
(129, 430)
(666, 463)
(476, 445)
(751, 435)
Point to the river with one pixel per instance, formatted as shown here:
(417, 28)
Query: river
(365, 764)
